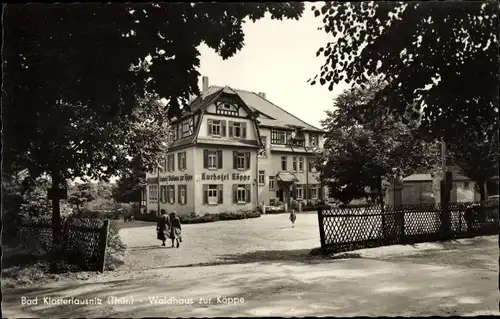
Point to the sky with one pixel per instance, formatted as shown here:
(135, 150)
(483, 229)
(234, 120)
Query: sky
(278, 58)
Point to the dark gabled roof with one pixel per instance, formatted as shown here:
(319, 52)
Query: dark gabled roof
(278, 116)
(200, 102)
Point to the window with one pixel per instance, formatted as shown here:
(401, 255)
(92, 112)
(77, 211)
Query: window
(301, 164)
(271, 183)
(283, 163)
(182, 189)
(153, 192)
(313, 139)
(294, 164)
(181, 161)
(212, 159)
(466, 185)
(185, 127)
(171, 194)
(272, 202)
(312, 167)
(299, 191)
(314, 192)
(241, 194)
(163, 194)
(262, 177)
(278, 137)
(212, 194)
(263, 151)
(216, 127)
(171, 163)
(179, 130)
(241, 160)
(238, 129)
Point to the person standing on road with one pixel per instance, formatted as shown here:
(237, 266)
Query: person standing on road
(175, 231)
(293, 218)
(163, 227)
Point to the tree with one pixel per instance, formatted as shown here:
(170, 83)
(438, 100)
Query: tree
(75, 77)
(478, 159)
(129, 187)
(440, 59)
(79, 194)
(362, 153)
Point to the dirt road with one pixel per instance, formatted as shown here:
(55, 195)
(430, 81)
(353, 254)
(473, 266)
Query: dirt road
(264, 265)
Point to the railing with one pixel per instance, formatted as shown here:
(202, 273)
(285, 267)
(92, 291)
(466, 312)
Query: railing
(345, 229)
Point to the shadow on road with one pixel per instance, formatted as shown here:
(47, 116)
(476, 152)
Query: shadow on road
(149, 248)
(301, 256)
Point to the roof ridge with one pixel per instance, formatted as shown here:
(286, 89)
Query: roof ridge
(252, 92)
(286, 111)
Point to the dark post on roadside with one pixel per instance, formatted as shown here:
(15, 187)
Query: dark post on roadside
(446, 186)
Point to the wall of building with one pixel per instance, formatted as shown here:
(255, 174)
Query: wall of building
(250, 131)
(226, 176)
(176, 178)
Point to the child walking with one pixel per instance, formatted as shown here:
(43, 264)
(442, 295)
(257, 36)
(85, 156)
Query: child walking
(293, 217)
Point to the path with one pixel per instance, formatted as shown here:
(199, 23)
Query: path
(264, 263)
(268, 238)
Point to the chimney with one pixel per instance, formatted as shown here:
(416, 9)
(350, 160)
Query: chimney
(262, 94)
(204, 80)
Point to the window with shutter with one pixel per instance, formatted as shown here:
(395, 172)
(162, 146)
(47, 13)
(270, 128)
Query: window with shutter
(235, 194)
(221, 196)
(248, 193)
(205, 158)
(209, 124)
(235, 160)
(205, 194)
(247, 160)
(173, 194)
(163, 194)
(223, 128)
(243, 130)
(219, 158)
(179, 161)
(230, 128)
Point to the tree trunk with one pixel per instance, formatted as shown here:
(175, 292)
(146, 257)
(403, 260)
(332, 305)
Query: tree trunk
(381, 194)
(56, 211)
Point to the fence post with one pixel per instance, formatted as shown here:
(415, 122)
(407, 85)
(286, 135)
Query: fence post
(103, 243)
(321, 229)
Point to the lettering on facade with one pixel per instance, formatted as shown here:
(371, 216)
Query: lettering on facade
(224, 177)
(171, 178)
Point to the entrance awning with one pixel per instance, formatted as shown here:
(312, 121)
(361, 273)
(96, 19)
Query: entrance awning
(286, 177)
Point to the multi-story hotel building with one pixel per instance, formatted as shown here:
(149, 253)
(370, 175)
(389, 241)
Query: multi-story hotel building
(233, 150)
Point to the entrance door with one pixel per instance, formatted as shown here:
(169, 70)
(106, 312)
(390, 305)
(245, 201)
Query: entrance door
(280, 194)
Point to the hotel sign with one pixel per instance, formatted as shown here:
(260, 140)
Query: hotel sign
(225, 177)
(171, 178)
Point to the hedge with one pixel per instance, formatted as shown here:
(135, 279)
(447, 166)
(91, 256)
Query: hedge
(192, 218)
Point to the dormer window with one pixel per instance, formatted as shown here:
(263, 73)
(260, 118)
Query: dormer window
(226, 106)
(313, 139)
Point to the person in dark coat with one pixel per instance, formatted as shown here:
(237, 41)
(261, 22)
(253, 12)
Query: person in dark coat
(175, 232)
(163, 227)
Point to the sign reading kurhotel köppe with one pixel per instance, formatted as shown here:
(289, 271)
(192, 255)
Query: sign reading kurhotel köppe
(224, 177)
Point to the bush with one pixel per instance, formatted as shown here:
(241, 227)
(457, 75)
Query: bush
(193, 218)
(115, 250)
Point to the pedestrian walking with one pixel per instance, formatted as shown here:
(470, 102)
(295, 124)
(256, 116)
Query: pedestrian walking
(293, 218)
(163, 227)
(175, 232)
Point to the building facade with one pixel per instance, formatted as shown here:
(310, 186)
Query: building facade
(233, 150)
